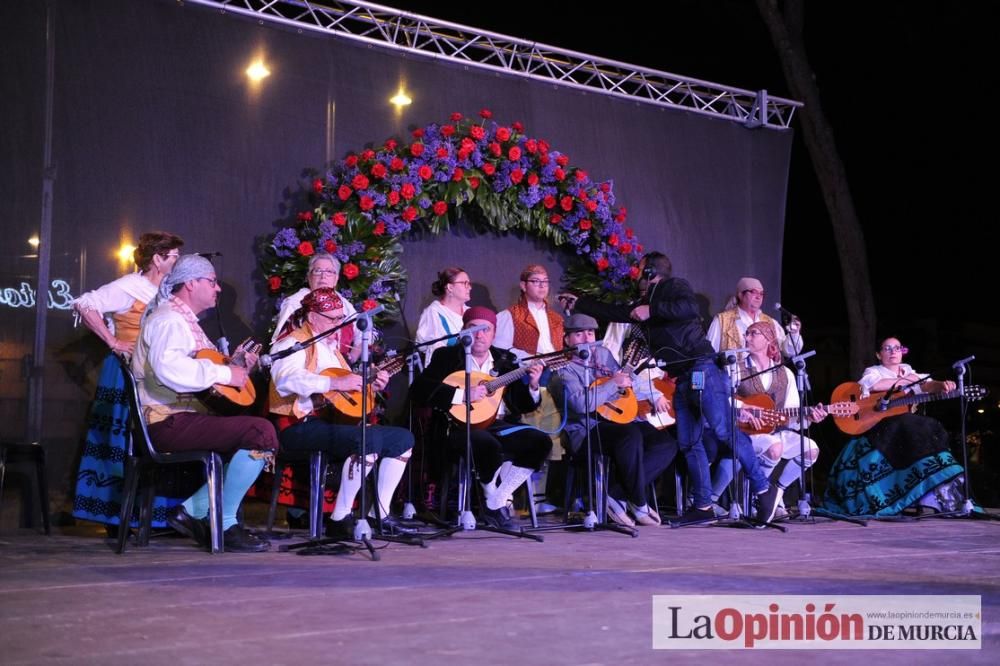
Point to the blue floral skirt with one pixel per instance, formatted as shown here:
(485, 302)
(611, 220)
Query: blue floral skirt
(863, 483)
(101, 474)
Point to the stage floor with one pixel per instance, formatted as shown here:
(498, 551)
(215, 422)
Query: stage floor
(472, 599)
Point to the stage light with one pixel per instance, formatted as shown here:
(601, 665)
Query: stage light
(257, 71)
(400, 99)
(33, 242)
(125, 253)
(981, 411)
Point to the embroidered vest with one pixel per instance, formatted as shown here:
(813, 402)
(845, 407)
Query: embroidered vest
(285, 406)
(731, 336)
(776, 391)
(526, 330)
(127, 323)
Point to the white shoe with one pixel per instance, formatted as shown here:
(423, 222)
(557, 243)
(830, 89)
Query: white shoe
(618, 514)
(643, 516)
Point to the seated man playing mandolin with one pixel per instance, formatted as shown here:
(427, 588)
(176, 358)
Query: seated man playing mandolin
(640, 452)
(302, 386)
(503, 462)
(758, 417)
(168, 375)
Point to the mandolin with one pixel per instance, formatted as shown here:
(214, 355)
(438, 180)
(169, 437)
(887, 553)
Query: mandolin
(347, 404)
(484, 412)
(870, 411)
(762, 407)
(223, 399)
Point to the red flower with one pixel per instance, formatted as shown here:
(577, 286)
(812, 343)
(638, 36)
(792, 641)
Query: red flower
(351, 271)
(306, 248)
(634, 272)
(409, 214)
(378, 170)
(463, 154)
(495, 148)
(620, 217)
(585, 224)
(367, 203)
(360, 182)
(514, 154)
(317, 186)
(518, 127)
(396, 164)
(613, 240)
(339, 219)
(425, 172)
(473, 182)
(543, 146)
(581, 175)
(456, 116)
(544, 159)
(503, 133)
(489, 169)
(638, 248)
(369, 304)
(532, 178)
(330, 246)
(417, 149)
(531, 146)
(485, 114)
(305, 216)
(629, 234)
(562, 160)
(549, 201)
(559, 174)
(555, 219)
(417, 133)
(344, 192)
(516, 175)
(625, 248)
(408, 191)
(468, 145)
(458, 174)
(379, 228)
(351, 161)
(447, 130)
(590, 205)
(477, 132)
(441, 153)
(440, 208)
(390, 145)
(274, 282)
(368, 155)
(605, 187)
(602, 264)
(393, 197)
(566, 203)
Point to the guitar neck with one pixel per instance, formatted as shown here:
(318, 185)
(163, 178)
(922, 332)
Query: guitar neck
(505, 380)
(918, 398)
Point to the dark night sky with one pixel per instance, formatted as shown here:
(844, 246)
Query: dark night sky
(905, 85)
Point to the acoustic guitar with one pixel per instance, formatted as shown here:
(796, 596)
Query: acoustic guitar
(626, 406)
(762, 407)
(346, 405)
(484, 412)
(870, 411)
(223, 399)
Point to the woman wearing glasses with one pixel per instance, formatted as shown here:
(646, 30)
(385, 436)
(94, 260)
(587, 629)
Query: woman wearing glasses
(112, 312)
(323, 273)
(443, 316)
(904, 461)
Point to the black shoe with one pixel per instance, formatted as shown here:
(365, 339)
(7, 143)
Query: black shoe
(182, 521)
(297, 522)
(341, 529)
(393, 526)
(694, 516)
(501, 518)
(767, 504)
(238, 540)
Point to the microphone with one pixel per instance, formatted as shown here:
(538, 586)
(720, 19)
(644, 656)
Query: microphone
(266, 360)
(208, 255)
(883, 402)
(583, 349)
(729, 356)
(778, 307)
(370, 313)
(651, 363)
(957, 364)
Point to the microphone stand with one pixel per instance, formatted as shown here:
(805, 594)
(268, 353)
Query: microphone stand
(968, 509)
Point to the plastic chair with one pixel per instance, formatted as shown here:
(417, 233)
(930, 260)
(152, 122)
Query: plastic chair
(143, 459)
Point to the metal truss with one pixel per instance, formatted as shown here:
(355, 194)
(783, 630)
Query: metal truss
(422, 35)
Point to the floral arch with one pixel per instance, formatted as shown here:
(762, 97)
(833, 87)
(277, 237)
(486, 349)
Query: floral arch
(494, 175)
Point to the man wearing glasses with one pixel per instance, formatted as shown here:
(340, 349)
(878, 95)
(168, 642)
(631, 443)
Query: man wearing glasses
(298, 385)
(323, 272)
(729, 327)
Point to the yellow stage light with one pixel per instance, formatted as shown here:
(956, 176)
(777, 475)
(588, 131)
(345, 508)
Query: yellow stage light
(125, 253)
(33, 242)
(257, 71)
(400, 99)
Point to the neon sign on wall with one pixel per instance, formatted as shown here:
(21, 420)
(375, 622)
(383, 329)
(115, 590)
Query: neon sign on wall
(59, 296)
